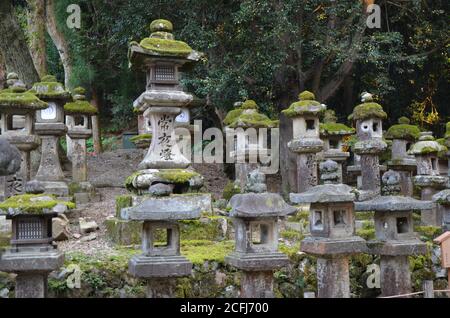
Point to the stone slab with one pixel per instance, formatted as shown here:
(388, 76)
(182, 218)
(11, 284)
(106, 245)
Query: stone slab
(326, 246)
(168, 266)
(33, 261)
(397, 248)
(257, 261)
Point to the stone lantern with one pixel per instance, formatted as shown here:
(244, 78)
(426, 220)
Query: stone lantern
(306, 143)
(255, 219)
(163, 59)
(369, 129)
(403, 136)
(160, 261)
(10, 162)
(78, 121)
(243, 125)
(395, 237)
(428, 177)
(332, 227)
(16, 102)
(32, 256)
(333, 135)
(50, 127)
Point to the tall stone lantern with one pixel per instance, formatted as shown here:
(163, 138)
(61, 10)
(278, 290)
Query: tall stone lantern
(32, 255)
(16, 102)
(248, 148)
(50, 127)
(333, 135)
(395, 237)
(306, 143)
(78, 121)
(368, 117)
(332, 226)
(163, 59)
(403, 136)
(428, 177)
(255, 219)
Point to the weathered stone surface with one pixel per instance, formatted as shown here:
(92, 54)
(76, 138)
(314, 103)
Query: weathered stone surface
(168, 266)
(333, 277)
(370, 147)
(257, 284)
(203, 201)
(325, 194)
(306, 145)
(437, 182)
(254, 205)
(87, 226)
(395, 275)
(153, 209)
(60, 229)
(256, 182)
(34, 187)
(393, 203)
(10, 158)
(397, 247)
(161, 189)
(333, 246)
(31, 261)
(257, 261)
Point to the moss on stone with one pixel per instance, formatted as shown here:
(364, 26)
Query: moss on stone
(302, 108)
(336, 129)
(404, 121)
(141, 137)
(447, 130)
(123, 201)
(249, 104)
(177, 176)
(306, 95)
(161, 25)
(230, 190)
(49, 88)
(166, 47)
(200, 251)
(31, 204)
(254, 120)
(80, 107)
(23, 100)
(232, 115)
(79, 91)
(368, 110)
(403, 131)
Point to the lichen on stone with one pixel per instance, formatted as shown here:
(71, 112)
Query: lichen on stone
(254, 120)
(80, 107)
(336, 129)
(123, 201)
(9, 99)
(249, 104)
(232, 115)
(368, 110)
(49, 88)
(166, 47)
(32, 204)
(306, 105)
(177, 176)
(424, 147)
(403, 131)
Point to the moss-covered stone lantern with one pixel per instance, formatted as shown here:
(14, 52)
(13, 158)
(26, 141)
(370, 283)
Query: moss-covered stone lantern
(395, 237)
(50, 127)
(403, 135)
(333, 135)
(163, 59)
(78, 121)
(306, 141)
(428, 177)
(332, 227)
(16, 103)
(255, 218)
(32, 256)
(368, 117)
(243, 125)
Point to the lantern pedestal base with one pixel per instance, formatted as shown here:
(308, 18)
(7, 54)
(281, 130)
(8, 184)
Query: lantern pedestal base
(31, 285)
(395, 275)
(333, 277)
(159, 266)
(257, 261)
(257, 285)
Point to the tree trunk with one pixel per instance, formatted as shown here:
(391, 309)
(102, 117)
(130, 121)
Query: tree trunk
(13, 46)
(96, 135)
(60, 42)
(37, 32)
(2, 72)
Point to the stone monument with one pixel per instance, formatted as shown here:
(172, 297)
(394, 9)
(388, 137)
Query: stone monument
(368, 117)
(306, 143)
(255, 218)
(50, 127)
(428, 177)
(403, 136)
(395, 237)
(332, 227)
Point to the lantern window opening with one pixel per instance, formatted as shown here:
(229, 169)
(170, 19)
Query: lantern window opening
(402, 225)
(339, 217)
(162, 237)
(260, 233)
(310, 124)
(318, 220)
(334, 144)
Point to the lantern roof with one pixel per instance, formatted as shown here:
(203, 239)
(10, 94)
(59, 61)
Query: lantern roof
(307, 105)
(79, 106)
(49, 88)
(16, 97)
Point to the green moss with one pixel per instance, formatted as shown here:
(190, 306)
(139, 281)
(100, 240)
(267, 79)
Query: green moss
(177, 176)
(301, 108)
(80, 107)
(336, 129)
(141, 137)
(291, 235)
(129, 181)
(249, 104)
(403, 131)
(428, 233)
(123, 201)
(301, 215)
(291, 250)
(166, 47)
(230, 190)
(232, 116)
(447, 130)
(161, 25)
(365, 216)
(368, 110)
(404, 121)
(49, 79)
(79, 91)
(367, 234)
(255, 120)
(306, 95)
(201, 251)
(30, 203)
(26, 100)
(50, 90)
